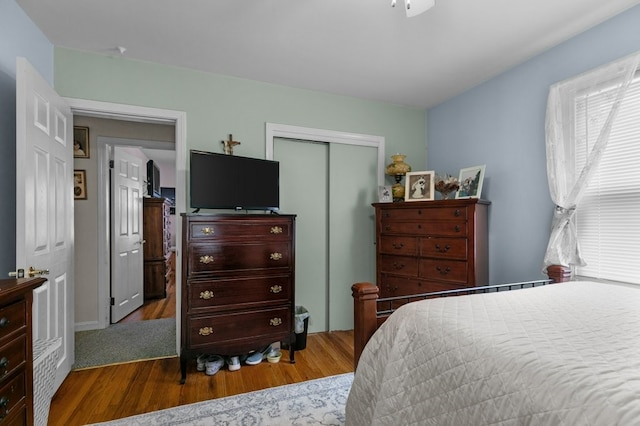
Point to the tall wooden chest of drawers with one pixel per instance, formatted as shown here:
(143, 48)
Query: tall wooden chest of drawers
(427, 246)
(238, 284)
(157, 247)
(16, 351)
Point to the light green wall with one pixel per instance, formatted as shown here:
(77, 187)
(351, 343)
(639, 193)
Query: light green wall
(218, 105)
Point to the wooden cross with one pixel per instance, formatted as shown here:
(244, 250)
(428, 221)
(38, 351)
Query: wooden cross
(228, 145)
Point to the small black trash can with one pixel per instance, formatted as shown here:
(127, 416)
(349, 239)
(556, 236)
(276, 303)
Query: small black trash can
(301, 327)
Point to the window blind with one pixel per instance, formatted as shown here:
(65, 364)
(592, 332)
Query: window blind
(608, 216)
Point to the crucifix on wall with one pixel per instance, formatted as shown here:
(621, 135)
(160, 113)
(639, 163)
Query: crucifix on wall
(228, 145)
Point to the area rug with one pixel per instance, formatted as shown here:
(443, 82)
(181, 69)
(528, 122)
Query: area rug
(119, 343)
(316, 402)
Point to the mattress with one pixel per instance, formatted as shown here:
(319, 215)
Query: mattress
(564, 354)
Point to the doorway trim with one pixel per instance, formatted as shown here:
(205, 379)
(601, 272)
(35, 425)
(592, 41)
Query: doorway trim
(140, 114)
(305, 134)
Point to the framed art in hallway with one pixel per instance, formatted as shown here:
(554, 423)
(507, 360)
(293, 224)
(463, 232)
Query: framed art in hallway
(80, 184)
(471, 179)
(80, 142)
(419, 186)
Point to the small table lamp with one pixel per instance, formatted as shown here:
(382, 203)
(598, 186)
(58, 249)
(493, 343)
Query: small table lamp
(398, 168)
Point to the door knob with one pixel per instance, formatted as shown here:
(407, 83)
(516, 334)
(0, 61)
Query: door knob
(33, 272)
(141, 242)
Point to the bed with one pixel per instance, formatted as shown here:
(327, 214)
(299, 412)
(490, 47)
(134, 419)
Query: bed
(546, 354)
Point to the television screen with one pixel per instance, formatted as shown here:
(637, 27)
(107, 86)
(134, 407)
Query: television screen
(220, 181)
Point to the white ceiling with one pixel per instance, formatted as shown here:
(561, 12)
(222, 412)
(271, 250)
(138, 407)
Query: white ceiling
(361, 48)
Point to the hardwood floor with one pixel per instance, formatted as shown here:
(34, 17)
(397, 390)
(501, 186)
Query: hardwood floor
(112, 392)
(155, 308)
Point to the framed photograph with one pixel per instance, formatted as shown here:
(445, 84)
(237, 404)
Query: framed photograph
(384, 194)
(471, 182)
(80, 184)
(80, 142)
(419, 186)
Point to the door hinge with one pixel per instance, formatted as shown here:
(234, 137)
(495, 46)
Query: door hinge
(111, 164)
(112, 301)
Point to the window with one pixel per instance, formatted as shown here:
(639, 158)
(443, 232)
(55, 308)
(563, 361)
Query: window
(608, 215)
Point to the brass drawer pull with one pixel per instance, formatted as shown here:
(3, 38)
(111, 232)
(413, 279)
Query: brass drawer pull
(206, 295)
(205, 331)
(398, 246)
(276, 289)
(276, 256)
(444, 271)
(4, 321)
(207, 231)
(206, 259)
(4, 363)
(275, 321)
(457, 228)
(276, 230)
(456, 213)
(398, 265)
(443, 250)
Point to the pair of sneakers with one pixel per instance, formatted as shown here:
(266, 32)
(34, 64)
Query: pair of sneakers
(210, 364)
(256, 357)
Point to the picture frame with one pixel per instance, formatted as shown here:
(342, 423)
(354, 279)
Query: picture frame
(79, 185)
(385, 194)
(471, 179)
(80, 142)
(419, 186)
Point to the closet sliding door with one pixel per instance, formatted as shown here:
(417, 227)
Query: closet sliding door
(330, 186)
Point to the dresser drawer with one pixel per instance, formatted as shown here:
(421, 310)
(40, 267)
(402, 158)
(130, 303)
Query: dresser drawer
(407, 246)
(444, 270)
(211, 329)
(12, 318)
(237, 292)
(207, 258)
(409, 214)
(233, 229)
(391, 286)
(444, 228)
(12, 356)
(12, 396)
(444, 248)
(401, 265)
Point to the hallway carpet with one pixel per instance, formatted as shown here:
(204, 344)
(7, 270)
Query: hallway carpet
(126, 342)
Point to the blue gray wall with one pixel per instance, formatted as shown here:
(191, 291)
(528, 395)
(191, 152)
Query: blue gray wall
(501, 124)
(18, 37)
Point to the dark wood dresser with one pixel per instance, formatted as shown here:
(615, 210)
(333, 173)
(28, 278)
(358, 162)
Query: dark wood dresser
(157, 247)
(426, 246)
(238, 284)
(16, 351)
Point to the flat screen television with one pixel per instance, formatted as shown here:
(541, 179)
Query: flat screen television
(153, 179)
(220, 181)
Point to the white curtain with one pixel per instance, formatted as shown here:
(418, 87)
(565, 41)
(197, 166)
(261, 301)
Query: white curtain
(566, 181)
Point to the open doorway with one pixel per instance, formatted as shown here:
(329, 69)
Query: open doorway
(93, 292)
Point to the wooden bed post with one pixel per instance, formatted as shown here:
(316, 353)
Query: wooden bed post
(559, 273)
(365, 296)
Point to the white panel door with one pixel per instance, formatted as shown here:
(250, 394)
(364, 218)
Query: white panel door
(44, 206)
(127, 286)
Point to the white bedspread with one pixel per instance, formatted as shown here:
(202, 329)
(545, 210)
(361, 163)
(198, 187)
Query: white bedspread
(565, 354)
